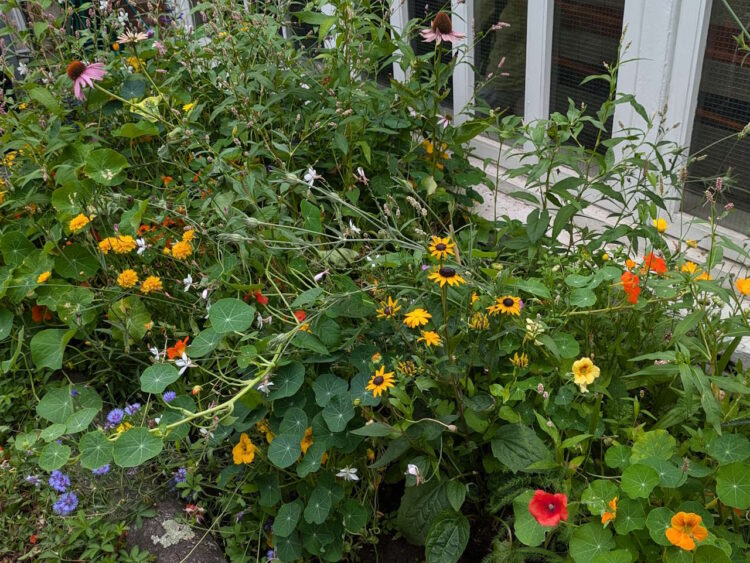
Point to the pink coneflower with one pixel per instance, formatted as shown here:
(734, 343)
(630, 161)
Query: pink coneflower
(84, 75)
(441, 30)
(499, 25)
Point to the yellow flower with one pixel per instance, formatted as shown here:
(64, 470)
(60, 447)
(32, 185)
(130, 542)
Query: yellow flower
(22, 106)
(441, 248)
(135, 62)
(474, 298)
(417, 317)
(151, 284)
(188, 235)
(376, 357)
(428, 147)
(43, 277)
(430, 338)
(370, 455)
(660, 224)
(704, 276)
(610, 514)
(380, 382)
(77, 223)
(630, 264)
(692, 243)
(508, 305)
(118, 244)
(521, 361)
(244, 451)
(182, 249)
(479, 321)
(127, 278)
(265, 428)
(743, 286)
(584, 373)
(689, 267)
(187, 107)
(605, 257)
(444, 275)
(406, 368)
(307, 440)
(123, 427)
(388, 309)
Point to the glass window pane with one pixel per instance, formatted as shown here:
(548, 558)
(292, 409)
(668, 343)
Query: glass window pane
(723, 110)
(426, 10)
(501, 87)
(586, 34)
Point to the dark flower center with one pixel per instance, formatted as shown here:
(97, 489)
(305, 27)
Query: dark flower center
(442, 23)
(508, 302)
(75, 69)
(551, 507)
(440, 246)
(378, 380)
(447, 272)
(388, 310)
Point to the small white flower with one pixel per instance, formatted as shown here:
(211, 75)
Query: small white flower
(361, 176)
(141, 244)
(354, 228)
(413, 470)
(188, 281)
(319, 276)
(184, 363)
(265, 386)
(155, 351)
(348, 474)
(311, 175)
(204, 294)
(23, 70)
(444, 120)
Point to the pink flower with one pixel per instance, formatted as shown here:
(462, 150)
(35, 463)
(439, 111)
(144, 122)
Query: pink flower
(441, 30)
(84, 75)
(499, 25)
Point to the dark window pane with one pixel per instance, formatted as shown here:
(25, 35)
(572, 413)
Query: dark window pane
(426, 10)
(723, 111)
(586, 34)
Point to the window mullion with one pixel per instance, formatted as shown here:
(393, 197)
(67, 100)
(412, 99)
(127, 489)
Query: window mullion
(538, 59)
(463, 73)
(399, 18)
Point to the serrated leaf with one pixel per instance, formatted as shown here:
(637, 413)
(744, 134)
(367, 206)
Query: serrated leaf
(95, 450)
(53, 456)
(518, 447)
(419, 507)
(136, 446)
(157, 377)
(231, 315)
(447, 538)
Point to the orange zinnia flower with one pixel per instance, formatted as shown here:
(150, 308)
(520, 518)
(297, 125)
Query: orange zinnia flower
(654, 263)
(178, 349)
(686, 530)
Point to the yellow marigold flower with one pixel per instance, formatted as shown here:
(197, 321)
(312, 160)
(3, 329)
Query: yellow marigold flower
(388, 308)
(441, 248)
(685, 530)
(479, 321)
(660, 224)
(743, 286)
(120, 244)
(380, 382)
(78, 222)
(521, 361)
(187, 107)
(188, 235)
(584, 373)
(22, 106)
(127, 278)
(430, 338)
(689, 267)
(417, 317)
(445, 275)
(507, 305)
(244, 451)
(307, 440)
(182, 249)
(43, 277)
(610, 514)
(105, 245)
(151, 284)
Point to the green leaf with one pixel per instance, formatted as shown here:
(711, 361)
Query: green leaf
(582, 297)
(95, 450)
(670, 476)
(374, 430)
(597, 495)
(136, 129)
(307, 297)
(288, 549)
(284, 450)
(105, 167)
(326, 387)
(156, 378)
(456, 492)
(310, 342)
(286, 519)
(48, 347)
(312, 216)
(53, 456)
(231, 315)
(448, 538)
(618, 456)
(136, 446)
(616, 556)
(655, 443)
(528, 530)
(52, 432)
(419, 507)
(129, 315)
(590, 541)
(80, 420)
(567, 345)
(44, 96)
(56, 405)
(536, 224)
(294, 423)
(658, 521)
(630, 516)
(733, 485)
(134, 86)
(15, 248)
(76, 263)
(312, 460)
(6, 323)
(205, 343)
(518, 447)
(533, 286)
(729, 448)
(318, 506)
(268, 487)
(354, 516)
(639, 480)
(287, 381)
(338, 412)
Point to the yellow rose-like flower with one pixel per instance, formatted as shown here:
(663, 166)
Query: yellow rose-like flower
(151, 284)
(79, 222)
(244, 451)
(660, 224)
(182, 250)
(584, 373)
(743, 286)
(43, 277)
(127, 278)
(118, 244)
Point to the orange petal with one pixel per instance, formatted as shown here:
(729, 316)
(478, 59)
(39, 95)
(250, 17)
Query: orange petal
(700, 533)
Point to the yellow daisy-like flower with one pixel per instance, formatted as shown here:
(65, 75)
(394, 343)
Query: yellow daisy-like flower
(188, 235)
(508, 305)
(689, 267)
(430, 338)
(151, 284)
(78, 222)
(244, 451)
(743, 286)
(182, 250)
(704, 276)
(474, 298)
(584, 373)
(441, 248)
(187, 107)
(307, 440)
(380, 382)
(417, 317)
(118, 244)
(43, 277)
(388, 308)
(127, 278)
(692, 243)
(407, 368)
(521, 361)
(660, 224)
(446, 275)
(479, 321)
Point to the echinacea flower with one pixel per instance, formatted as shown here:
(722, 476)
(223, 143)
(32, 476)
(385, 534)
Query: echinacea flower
(59, 481)
(66, 504)
(584, 373)
(151, 284)
(84, 75)
(743, 285)
(388, 308)
(417, 317)
(348, 474)
(507, 305)
(131, 37)
(547, 508)
(445, 275)
(440, 248)
(243, 451)
(685, 530)
(78, 222)
(380, 382)
(430, 338)
(441, 30)
(610, 514)
(127, 278)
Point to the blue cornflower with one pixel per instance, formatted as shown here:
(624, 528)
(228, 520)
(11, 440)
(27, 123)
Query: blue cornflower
(181, 475)
(66, 504)
(103, 470)
(33, 480)
(73, 392)
(59, 481)
(115, 416)
(169, 396)
(130, 410)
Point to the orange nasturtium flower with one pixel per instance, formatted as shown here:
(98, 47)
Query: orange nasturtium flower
(654, 263)
(610, 514)
(244, 451)
(631, 287)
(178, 349)
(686, 530)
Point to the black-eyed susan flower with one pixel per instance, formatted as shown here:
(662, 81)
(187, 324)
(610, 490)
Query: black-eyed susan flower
(388, 308)
(479, 321)
(507, 305)
(430, 338)
(445, 275)
(406, 368)
(441, 248)
(417, 317)
(380, 382)
(521, 361)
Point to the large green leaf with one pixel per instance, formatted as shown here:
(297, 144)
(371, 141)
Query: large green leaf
(419, 508)
(205, 343)
(286, 519)
(158, 377)
(353, 515)
(106, 167)
(338, 412)
(658, 521)
(136, 446)
(76, 263)
(729, 448)
(136, 129)
(326, 387)
(630, 516)
(287, 381)
(80, 420)
(6, 323)
(53, 456)
(639, 480)
(318, 505)
(15, 248)
(733, 485)
(655, 443)
(448, 538)
(590, 541)
(129, 317)
(284, 450)
(48, 347)
(597, 496)
(517, 447)
(56, 405)
(231, 315)
(294, 423)
(95, 450)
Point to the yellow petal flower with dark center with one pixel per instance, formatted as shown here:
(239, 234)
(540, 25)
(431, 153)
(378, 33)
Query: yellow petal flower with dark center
(508, 305)
(430, 338)
(388, 308)
(380, 382)
(445, 275)
(417, 317)
(441, 248)
(479, 321)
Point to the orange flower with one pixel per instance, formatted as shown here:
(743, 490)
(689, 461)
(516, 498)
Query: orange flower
(40, 313)
(167, 180)
(178, 349)
(686, 530)
(630, 264)
(654, 263)
(630, 285)
(743, 286)
(610, 514)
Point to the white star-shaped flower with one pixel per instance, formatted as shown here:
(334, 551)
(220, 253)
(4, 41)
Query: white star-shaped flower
(348, 474)
(184, 363)
(141, 244)
(188, 281)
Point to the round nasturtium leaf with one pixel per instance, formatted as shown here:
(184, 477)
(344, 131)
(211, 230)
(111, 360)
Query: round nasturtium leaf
(284, 450)
(53, 456)
(729, 448)
(231, 315)
(639, 480)
(136, 446)
(95, 450)
(733, 485)
(105, 167)
(658, 521)
(157, 377)
(528, 531)
(589, 541)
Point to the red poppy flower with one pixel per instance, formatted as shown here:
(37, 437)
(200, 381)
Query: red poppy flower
(654, 263)
(548, 508)
(300, 315)
(178, 349)
(263, 300)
